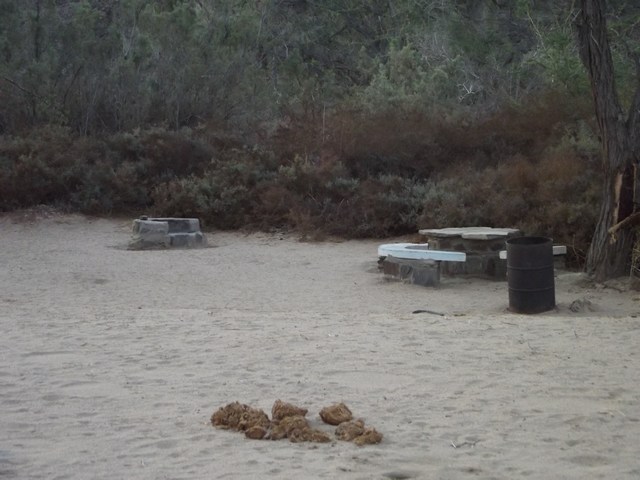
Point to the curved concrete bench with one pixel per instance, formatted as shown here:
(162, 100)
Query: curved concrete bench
(419, 251)
(414, 262)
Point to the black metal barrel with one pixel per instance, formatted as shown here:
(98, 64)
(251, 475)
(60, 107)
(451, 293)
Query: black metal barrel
(530, 274)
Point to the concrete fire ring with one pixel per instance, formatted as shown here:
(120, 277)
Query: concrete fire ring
(169, 232)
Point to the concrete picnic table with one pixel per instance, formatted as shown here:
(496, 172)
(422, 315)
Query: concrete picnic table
(469, 239)
(481, 245)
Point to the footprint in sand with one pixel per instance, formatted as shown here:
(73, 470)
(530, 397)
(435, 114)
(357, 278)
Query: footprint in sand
(590, 460)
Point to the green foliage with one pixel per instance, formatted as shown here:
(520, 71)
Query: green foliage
(400, 81)
(624, 34)
(115, 66)
(225, 195)
(556, 54)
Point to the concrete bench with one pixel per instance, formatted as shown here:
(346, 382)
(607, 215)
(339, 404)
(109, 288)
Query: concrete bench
(414, 262)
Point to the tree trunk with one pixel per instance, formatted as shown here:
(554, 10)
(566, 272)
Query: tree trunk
(609, 256)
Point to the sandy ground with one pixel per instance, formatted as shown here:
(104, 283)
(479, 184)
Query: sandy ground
(112, 362)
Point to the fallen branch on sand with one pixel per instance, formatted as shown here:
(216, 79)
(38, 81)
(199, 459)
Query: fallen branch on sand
(430, 311)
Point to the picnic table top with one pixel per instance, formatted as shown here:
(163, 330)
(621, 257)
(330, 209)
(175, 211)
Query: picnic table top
(471, 233)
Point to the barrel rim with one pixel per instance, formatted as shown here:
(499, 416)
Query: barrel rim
(526, 240)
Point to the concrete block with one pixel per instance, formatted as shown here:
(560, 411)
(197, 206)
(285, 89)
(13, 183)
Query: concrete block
(418, 272)
(148, 243)
(150, 227)
(149, 234)
(180, 225)
(190, 240)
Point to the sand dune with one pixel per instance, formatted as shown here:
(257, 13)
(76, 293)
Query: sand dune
(112, 362)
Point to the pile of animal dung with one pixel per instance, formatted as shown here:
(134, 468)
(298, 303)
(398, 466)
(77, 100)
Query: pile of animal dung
(289, 421)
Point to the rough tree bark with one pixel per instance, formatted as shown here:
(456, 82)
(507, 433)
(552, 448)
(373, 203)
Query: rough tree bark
(609, 255)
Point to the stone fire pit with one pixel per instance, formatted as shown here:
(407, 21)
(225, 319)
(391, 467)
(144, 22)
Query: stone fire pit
(154, 233)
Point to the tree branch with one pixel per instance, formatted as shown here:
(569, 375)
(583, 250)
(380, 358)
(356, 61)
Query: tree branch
(18, 86)
(631, 220)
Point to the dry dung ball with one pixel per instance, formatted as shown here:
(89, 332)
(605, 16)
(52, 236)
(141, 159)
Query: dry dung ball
(282, 409)
(349, 430)
(253, 418)
(319, 436)
(238, 416)
(228, 417)
(336, 414)
(309, 435)
(286, 426)
(297, 429)
(369, 437)
(256, 432)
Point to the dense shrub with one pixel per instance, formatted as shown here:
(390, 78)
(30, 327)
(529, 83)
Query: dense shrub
(40, 168)
(556, 196)
(365, 176)
(224, 196)
(93, 175)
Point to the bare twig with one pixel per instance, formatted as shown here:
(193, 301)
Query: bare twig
(431, 312)
(18, 86)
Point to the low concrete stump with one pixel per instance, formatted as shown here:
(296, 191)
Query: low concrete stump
(154, 233)
(417, 272)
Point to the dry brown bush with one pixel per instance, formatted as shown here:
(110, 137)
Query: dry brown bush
(353, 174)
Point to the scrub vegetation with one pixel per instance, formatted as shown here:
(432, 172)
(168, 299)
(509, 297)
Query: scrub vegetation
(333, 117)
